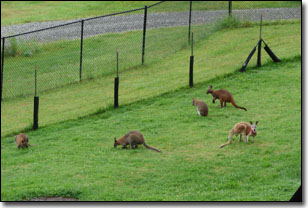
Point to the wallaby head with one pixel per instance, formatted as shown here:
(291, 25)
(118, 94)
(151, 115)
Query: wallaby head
(209, 90)
(194, 101)
(22, 141)
(115, 143)
(253, 128)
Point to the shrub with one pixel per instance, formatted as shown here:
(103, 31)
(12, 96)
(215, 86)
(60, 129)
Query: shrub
(16, 47)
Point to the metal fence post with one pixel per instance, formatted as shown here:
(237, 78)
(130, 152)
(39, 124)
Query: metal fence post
(116, 85)
(230, 8)
(81, 48)
(144, 31)
(36, 102)
(191, 65)
(2, 64)
(189, 21)
(260, 44)
(35, 113)
(259, 53)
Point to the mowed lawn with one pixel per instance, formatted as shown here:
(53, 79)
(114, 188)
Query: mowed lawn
(218, 53)
(77, 159)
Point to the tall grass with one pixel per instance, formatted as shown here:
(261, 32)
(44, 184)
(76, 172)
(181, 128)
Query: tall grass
(20, 48)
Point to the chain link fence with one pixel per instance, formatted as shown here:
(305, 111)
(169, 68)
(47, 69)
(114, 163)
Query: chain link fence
(86, 49)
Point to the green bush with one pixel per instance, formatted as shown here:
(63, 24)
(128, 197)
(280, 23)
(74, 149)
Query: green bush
(16, 47)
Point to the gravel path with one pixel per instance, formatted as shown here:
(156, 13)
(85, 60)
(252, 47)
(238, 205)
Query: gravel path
(122, 23)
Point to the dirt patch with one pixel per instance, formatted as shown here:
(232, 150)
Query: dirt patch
(54, 199)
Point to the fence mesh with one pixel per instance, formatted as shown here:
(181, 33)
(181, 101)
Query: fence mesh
(57, 61)
(122, 33)
(57, 54)
(206, 15)
(57, 51)
(167, 30)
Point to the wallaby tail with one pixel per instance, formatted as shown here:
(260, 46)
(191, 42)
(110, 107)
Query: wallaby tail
(229, 139)
(151, 148)
(234, 104)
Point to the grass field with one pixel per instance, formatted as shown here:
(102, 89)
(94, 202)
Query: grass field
(19, 12)
(72, 154)
(77, 158)
(137, 83)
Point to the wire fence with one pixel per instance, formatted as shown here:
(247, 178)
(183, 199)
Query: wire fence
(85, 49)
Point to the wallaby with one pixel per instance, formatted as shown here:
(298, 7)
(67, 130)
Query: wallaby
(224, 96)
(244, 129)
(22, 140)
(132, 138)
(201, 107)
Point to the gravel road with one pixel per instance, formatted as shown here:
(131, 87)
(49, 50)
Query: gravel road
(122, 23)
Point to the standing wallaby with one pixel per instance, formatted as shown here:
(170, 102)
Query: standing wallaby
(244, 129)
(201, 107)
(133, 139)
(22, 140)
(224, 96)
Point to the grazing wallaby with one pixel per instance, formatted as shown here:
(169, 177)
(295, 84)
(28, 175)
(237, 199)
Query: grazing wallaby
(201, 107)
(244, 129)
(224, 96)
(22, 140)
(132, 138)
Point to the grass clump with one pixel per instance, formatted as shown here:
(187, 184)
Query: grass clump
(20, 48)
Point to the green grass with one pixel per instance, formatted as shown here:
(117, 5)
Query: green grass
(19, 12)
(220, 53)
(59, 62)
(77, 159)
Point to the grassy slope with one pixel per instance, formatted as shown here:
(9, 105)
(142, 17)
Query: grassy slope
(154, 79)
(77, 158)
(19, 12)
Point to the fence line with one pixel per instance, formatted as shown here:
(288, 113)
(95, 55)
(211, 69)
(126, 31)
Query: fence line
(160, 31)
(82, 20)
(70, 28)
(61, 66)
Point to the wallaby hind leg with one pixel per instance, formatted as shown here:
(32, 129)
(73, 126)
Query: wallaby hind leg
(131, 145)
(229, 139)
(221, 102)
(225, 103)
(246, 139)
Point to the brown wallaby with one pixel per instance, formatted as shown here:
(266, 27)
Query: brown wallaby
(201, 107)
(244, 129)
(224, 96)
(22, 140)
(133, 139)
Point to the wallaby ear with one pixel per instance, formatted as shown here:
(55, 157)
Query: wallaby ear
(211, 86)
(251, 122)
(115, 139)
(257, 122)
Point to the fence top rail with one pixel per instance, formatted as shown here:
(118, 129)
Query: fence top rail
(74, 22)
(155, 4)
